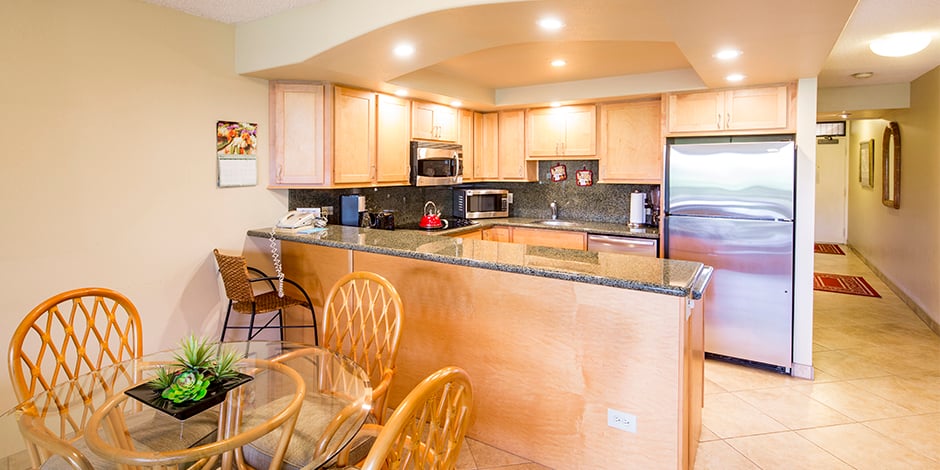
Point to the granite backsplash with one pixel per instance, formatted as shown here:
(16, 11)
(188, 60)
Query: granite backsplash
(596, 203)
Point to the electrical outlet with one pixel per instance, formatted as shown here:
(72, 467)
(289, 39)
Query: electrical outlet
(621, 420)
(326, 210)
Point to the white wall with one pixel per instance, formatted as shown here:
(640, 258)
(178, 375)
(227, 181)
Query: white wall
(108, 110)
(903, 244)
(805, 223)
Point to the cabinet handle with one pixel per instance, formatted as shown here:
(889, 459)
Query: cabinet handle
(280, 173)
(718, 121)
(728, 121)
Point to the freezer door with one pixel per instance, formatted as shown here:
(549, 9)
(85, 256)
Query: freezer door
(749, 301)
(752, 180)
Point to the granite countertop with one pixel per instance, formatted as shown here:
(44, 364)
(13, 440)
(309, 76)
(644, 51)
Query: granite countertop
(663, 276)
(600, 228)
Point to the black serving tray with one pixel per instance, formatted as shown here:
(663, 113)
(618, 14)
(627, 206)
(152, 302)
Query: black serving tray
(215, 394)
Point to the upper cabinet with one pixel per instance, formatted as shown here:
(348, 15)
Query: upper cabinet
(563, 132)
(486, 146)
(431, 121)
(631, 144)
(330, 136)
(511, 143)
(466, 137)
(769, 109)
(298, 137)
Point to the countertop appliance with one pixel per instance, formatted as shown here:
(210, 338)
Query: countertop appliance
(481, 203)
(436, 163)
(731, 206)
(624, 245)
(352, 208)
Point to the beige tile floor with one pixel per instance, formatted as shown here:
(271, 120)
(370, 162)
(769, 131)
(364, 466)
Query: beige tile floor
(874, 403)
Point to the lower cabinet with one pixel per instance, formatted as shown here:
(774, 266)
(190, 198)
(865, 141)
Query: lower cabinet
(497, 234)
(476, 235)
(552, 238)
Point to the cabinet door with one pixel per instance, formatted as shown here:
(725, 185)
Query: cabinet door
(394, 133)
(568, 131)
(581, 131)
(756, 108)
(546, 132)
(512, 162)
(486, 160)
(353, 136)
(631, 142)
(475, 234)
(297, 132)
(497, 234)
(696, 112)
(551, 238)
(466, 138)
(431, 121)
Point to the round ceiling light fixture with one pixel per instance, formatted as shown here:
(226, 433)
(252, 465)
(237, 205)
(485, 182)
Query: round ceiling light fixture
(551, 24)
(735, 77)
(401, 92)
(456, 103)
(900, 44)
(559, 63)
(727, 54)
(404, 50)
(861, 75)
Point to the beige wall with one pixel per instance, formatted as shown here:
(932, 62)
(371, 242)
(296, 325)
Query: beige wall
(904, 244)
(107, 111)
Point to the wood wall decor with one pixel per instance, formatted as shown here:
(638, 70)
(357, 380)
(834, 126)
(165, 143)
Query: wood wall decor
(891, 156)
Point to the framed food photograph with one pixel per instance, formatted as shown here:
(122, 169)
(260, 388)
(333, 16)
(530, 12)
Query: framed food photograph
(866, 165)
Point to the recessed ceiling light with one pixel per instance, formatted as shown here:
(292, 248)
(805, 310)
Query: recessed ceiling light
(559, 63)
(727, 54)
(401, 92)
(456, 103)
(863, 74)
(735, 77)
(554, 104)
(551, 24)
(404, 50)
(845, 115)
(900, 44)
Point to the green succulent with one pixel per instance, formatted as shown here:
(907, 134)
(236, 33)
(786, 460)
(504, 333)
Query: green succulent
(189, 385)
(197, 365)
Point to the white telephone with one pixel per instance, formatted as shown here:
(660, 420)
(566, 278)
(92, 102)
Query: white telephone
(296, 219)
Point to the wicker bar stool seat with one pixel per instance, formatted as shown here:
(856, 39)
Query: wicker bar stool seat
(238, 281)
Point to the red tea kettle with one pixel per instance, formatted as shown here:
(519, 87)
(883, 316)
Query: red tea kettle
(432, 217)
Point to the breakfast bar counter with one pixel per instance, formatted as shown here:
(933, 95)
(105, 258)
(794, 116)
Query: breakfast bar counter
(556, 341)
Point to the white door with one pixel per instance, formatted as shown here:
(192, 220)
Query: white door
(832, 173)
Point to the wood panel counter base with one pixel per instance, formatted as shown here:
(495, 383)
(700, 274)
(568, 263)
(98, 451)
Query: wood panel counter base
(548, 357)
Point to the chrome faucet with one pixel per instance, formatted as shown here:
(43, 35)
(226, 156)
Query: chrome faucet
(554, 206)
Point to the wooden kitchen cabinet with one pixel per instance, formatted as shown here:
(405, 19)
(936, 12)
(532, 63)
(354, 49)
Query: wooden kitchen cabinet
(631, 143)
(393, 150)
(511, 142)
(732, 111)
(568, 131)
(354, 136)
(498, 233)
(486, 146)
(298, 135)
(467, 139)
(551, 238)
(474, 234)
(431, 121)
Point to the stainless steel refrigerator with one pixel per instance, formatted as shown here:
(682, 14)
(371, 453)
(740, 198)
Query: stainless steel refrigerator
(731, 206)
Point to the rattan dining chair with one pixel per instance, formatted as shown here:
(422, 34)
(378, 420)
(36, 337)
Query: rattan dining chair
(234, 271)
(67, 335)
(362, 317)
(426, 430)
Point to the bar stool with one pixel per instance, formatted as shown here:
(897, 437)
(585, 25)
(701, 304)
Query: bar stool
(242, 299)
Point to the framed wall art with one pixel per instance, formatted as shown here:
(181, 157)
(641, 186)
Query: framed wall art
(866, 165)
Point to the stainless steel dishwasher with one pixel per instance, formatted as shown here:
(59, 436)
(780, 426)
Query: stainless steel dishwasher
(624, 245)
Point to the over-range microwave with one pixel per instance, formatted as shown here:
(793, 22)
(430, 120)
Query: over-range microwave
(481, 203)
(436, 163)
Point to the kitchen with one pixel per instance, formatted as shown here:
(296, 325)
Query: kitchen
(111, 172)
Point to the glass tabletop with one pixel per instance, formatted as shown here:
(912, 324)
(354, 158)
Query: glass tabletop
(337, 397)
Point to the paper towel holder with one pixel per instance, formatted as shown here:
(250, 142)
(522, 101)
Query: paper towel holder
(637, 217)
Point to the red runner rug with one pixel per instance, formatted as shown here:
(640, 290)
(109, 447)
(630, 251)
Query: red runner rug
(854, 285)
(828, 248)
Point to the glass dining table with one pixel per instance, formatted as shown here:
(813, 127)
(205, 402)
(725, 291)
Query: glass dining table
(90, 422)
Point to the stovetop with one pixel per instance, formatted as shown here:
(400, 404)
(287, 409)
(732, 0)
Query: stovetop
(454, 222)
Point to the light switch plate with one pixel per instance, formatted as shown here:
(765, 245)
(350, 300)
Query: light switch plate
(621, 420)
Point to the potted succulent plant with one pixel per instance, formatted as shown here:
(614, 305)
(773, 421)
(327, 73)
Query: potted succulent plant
(200, 376)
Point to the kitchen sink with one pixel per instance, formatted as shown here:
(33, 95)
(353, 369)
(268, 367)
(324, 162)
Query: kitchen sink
(557, 223)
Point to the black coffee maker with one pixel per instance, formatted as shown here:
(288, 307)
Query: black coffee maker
(383, 220)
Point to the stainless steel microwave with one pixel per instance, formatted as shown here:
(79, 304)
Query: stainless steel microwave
(436, 164)
(481, 203)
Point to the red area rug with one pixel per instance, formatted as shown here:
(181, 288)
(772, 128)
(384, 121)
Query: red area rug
(828, 248)
(838, 283)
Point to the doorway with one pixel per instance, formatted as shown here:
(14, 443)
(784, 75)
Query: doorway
(832, 170)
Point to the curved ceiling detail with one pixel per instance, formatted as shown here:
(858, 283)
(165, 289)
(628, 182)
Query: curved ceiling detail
(491, 54)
